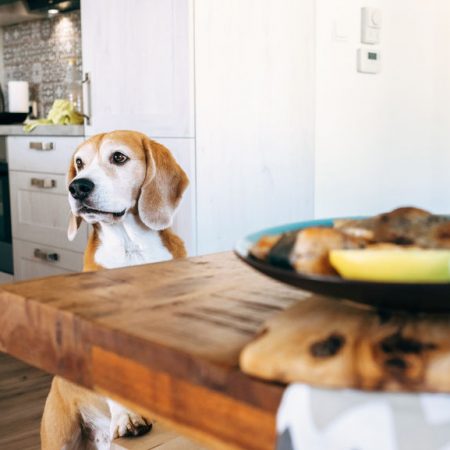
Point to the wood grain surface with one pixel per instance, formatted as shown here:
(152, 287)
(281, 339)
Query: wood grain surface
(165, 338)
(160, 437)
(23, 390)
(336, 344)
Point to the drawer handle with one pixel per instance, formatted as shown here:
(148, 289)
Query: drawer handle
(43, 183)
(42, 146)
(50, 257)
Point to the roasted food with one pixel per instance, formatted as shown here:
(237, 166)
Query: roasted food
(403, 226)
(264, 245)
(308, 250)
(310, 253)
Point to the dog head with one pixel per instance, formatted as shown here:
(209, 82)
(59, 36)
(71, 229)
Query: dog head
(114, 173)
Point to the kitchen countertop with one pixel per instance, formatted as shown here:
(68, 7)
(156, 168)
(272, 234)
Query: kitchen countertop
(43, 130)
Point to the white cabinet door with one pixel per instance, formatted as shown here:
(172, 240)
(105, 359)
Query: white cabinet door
(32, 260)
(254, 71)
(137, 54)
(41, 214)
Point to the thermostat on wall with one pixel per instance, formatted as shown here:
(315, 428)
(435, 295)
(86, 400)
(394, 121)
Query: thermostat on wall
(369, 60)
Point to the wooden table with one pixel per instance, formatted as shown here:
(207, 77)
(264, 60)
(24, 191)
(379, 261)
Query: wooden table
(163, 339)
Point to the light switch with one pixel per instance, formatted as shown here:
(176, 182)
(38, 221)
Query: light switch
(375, 17)
(370, 25)
(369, 60)
(340, 31)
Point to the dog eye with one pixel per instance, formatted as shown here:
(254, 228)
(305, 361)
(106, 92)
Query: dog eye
(119, 158)
(79, 163)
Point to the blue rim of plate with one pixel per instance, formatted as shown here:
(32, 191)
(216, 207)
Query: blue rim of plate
(242, 247)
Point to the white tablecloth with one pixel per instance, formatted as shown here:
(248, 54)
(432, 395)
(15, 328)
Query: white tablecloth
(321, 419)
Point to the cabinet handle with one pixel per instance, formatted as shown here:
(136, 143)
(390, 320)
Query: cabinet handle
(49, 257)
(86, 83)
(43, 183)
(42, 146)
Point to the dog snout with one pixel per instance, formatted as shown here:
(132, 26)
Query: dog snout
(81, 188)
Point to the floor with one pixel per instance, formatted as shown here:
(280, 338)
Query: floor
(23, 390)
(6, 278)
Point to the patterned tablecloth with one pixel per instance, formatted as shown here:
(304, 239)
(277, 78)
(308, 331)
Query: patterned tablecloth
(320, 419)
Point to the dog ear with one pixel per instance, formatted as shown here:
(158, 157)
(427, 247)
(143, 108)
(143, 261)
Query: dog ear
(164, 184)
(74, 224)
(74, 221)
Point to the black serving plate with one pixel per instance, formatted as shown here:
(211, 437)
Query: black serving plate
(420, 297)
(10, 118)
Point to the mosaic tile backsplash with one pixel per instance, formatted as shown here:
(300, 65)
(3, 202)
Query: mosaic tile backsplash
(38, 52)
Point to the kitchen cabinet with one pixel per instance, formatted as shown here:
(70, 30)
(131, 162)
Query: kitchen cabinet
(48, 154)
(40, 209)
(250, 156)
(39, 206)
(33, 260)
(137, 54)
(254, 102)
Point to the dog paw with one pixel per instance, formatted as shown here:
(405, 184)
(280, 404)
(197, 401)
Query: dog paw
(127, 424)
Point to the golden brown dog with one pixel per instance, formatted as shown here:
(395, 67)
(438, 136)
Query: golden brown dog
(128, 187)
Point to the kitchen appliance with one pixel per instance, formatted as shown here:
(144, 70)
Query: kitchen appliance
(9, 118)
(6, 254)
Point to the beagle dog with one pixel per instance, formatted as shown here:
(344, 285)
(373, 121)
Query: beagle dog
(128, 187)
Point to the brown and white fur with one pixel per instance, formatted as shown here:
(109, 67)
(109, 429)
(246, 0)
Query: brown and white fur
(128, 187)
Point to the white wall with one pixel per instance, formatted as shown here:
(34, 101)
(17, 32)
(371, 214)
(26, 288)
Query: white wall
(383, 140)
(441, 119)
(254, 88)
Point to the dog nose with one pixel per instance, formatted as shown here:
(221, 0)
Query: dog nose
(81, 188)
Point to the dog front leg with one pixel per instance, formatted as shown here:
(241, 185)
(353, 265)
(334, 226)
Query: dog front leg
(126, 423)
(60, 426)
